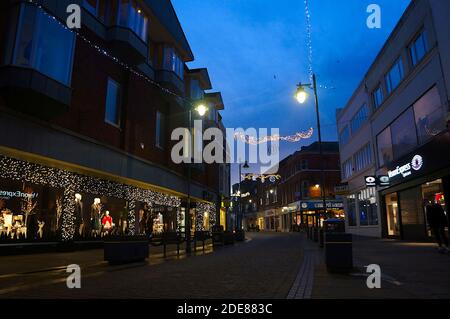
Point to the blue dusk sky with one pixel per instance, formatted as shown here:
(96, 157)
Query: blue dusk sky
(256, 52)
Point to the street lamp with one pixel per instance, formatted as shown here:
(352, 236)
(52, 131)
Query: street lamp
(239, 221)
(201, 110)
(301, 96)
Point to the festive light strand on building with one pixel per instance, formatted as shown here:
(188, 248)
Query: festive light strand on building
(70, 183)
(273, 138)
(202, 210)
(104, 52)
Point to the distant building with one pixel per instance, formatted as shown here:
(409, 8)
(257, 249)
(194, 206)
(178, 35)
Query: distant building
(295, 199)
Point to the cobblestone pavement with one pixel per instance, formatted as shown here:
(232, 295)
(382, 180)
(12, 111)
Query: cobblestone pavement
(263, 267)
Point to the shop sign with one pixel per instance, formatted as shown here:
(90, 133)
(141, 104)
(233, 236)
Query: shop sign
(384, 181)
(18, 194)
(371, 181)
(311, 205)
(407, 169)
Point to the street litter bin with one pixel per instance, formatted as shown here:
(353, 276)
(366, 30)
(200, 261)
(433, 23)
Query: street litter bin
(338, 252)
(334, 225)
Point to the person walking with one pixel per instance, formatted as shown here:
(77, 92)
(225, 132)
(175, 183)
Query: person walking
(437, 220)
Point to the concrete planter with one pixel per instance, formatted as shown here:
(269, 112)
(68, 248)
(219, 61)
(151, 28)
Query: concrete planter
(127, 251)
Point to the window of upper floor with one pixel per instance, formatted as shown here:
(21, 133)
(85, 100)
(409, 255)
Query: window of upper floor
(173, 62)
(344, 135)
(347, 168)
(91, 6)
(378, 96)
(414, 127)
(359, 118)
(131, 15)
(418, 48)
(304, 189)
(113, 101)
(363, 157)
(394, 76)
(275, 196)
(44, 45)
(196, 91)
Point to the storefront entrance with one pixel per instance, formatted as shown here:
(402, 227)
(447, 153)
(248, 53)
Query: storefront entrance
(405, 210)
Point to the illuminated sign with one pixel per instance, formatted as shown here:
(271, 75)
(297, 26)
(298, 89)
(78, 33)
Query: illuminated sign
(18, 194)
(371, 181)
(407, 169)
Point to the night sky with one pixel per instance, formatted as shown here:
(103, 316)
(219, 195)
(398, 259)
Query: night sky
(256, 52)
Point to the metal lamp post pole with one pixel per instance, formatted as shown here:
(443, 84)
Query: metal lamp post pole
(238, 224)
(187, 215)
(322, 168)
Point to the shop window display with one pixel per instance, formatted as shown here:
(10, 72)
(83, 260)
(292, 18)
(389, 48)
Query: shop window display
(28, 212)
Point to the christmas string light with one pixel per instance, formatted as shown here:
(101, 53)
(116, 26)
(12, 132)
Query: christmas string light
(272, 177)
(202, 209)
(309, 40)
(273, 138)
(72, 183)
(104, 52)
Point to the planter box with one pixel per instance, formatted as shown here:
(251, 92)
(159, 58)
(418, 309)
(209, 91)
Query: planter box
(122, 252)
(239, 235)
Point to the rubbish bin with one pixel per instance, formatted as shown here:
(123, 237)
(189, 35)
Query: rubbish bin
(338, 252)
(334, 225)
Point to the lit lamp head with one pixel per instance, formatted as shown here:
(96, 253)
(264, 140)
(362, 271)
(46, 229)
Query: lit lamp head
(300, 95)
(201, 109)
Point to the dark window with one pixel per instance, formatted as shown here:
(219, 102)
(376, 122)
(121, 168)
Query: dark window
(344, 135)
(429, 115)
(91, 6)
(43, 44)
(394, 76)
(403, 130)
(418, 48)
(132, 16)
(172, 62)
(378, 96)
(359, 118)
(384, 143)
(113, 99)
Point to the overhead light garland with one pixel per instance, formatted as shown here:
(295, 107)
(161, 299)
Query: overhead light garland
(273, 138)
(271, 177)
(71, 183)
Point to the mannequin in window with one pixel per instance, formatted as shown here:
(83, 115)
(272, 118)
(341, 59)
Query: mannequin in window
(123, 220)
(79, 223)
(107, 223)
(96, 210)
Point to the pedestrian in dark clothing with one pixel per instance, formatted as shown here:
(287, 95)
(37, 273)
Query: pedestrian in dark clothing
(437, 220)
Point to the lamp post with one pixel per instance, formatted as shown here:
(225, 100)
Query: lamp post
(301, 96)
(201, 109)
(239, 223)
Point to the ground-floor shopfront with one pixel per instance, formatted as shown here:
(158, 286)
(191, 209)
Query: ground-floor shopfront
(416, 179)
(309, 213)
(50, 203)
